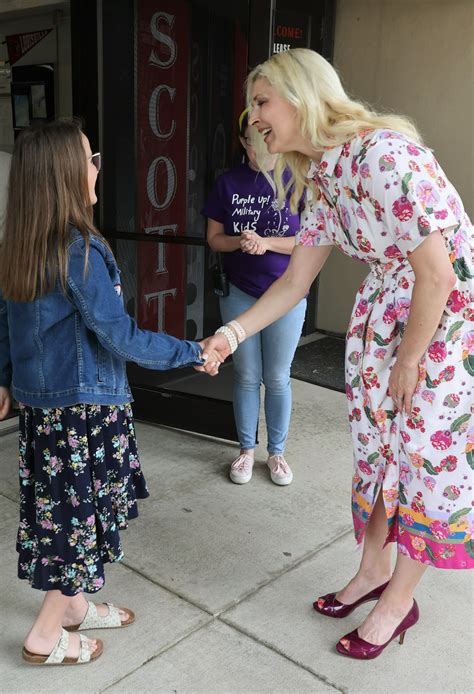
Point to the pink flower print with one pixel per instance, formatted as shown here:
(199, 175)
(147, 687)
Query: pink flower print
(428, 396)
(345, 216)
(363, 439)
(405, 436)
(446, 375)
(429, 482)
(90, 520)
(417, 504)
(360, 213)
(354, 357)
(437, 351)
(403, 309)
(418, 543)
(413, 166)
(354, 166)
(454, 206)
(467, 344)
(441, 214)
(349, 393)
(307, 237)
(449, 463)
(457, 301)
(427, 194)
(123, 441)
(113, 416)
(430, 169)
(441, 181)
(338, 171)
(451, 492)
(414, 151)
(46, 524)
(406, 475)
(441, 440)
(364, 467)
(402, 209)
(407, 520)
(392, 251)
(361, 308)
(386, 162)
(380, 353)
(451, 400)
(363, 243)
(390, 314)
(364, 170)
(97, 485)
(72, 441)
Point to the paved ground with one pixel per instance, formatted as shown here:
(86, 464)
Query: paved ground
(222, 578)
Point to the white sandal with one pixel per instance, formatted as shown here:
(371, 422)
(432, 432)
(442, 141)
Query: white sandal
(58, 654)
(112, 620)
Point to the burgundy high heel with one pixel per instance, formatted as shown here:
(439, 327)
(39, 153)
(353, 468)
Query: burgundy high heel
(330, 607)
(352, 646)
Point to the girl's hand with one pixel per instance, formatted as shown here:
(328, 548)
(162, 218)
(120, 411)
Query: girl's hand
(217, 349)
(5, 402)
(402, 384)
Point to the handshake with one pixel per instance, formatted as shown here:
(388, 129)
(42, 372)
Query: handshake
(216, 349)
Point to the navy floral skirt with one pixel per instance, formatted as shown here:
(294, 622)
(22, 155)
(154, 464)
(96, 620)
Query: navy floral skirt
(80, 478)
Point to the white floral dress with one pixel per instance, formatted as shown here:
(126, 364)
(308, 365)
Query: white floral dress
(377, 198)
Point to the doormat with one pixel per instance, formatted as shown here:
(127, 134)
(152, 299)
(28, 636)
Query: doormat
(321, 362)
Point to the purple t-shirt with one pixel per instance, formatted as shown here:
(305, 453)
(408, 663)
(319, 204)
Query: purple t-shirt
(243, 199)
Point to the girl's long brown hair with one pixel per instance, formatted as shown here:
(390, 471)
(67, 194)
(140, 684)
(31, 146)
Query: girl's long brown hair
(47, 191)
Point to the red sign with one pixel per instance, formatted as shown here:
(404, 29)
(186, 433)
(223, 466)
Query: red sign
(163, 46)
(18, 45)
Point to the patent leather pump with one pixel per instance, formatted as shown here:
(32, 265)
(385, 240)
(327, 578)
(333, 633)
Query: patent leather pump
(352, 646)
(330, 607)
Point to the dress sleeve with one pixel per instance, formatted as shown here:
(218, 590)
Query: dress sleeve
(410, 193)
(313, 229)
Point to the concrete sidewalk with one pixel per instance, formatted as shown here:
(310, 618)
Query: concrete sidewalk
(222, 578)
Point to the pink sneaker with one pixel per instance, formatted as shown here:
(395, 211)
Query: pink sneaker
(241, 469)
(280, 471)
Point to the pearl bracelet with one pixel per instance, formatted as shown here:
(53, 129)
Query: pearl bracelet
(230, 335)
(238, 329)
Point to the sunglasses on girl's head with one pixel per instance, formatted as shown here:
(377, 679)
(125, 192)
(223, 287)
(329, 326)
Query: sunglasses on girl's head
(96, 159)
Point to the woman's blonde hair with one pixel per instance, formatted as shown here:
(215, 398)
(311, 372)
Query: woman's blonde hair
(47, 192)
(327, 116)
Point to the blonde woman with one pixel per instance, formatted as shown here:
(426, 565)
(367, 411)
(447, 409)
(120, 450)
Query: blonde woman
(379, 195)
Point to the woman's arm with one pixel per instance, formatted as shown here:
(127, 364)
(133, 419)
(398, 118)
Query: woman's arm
(218, 240)
(254, 244)
(434, 280)
(305, 264)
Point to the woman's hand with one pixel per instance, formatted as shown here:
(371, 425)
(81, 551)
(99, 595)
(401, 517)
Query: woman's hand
(252, 243)
(402, 385)
(215, 350)
(5, 402)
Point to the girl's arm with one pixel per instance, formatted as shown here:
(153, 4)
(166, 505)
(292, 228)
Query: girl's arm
(304, 266)
(218, 240)
(434, 280)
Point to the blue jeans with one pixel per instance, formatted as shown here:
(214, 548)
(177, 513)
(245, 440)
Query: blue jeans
(265, 357)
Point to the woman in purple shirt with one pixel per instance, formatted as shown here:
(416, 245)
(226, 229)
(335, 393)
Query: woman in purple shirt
(256, 236)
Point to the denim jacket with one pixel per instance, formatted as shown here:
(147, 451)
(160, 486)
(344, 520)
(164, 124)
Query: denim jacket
(62, 349)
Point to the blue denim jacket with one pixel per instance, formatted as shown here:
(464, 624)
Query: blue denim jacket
(61, 349)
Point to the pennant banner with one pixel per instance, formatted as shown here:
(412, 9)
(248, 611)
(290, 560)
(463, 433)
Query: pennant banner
(18, 45)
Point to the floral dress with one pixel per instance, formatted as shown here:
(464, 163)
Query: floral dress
(377, 198)
(80, 478)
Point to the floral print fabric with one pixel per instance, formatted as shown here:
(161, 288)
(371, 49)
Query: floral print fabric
(80, 478)
(377, 198)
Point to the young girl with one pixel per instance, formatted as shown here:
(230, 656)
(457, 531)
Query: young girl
(256, 236)
(64, 341)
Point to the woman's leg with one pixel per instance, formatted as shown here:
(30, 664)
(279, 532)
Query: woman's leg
(394, 603)
(279, 343)
(375, 565)
(247, 362)
(46, 629)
